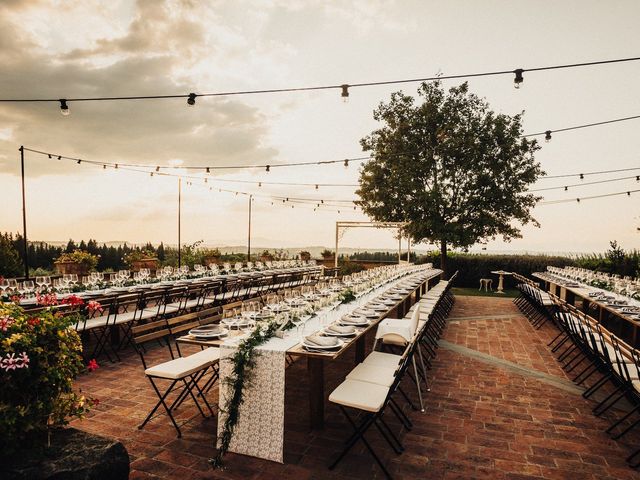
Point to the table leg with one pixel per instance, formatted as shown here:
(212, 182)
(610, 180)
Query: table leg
(360, 348)
(315, 366)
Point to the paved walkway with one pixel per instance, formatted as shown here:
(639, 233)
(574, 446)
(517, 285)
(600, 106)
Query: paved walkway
(500, 407)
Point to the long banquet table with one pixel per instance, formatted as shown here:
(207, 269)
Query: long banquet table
(261, 428)
(112, 291)
(626, 326)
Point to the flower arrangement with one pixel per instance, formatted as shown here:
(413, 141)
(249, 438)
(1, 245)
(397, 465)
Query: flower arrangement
(347, 296)
(40, 355)
(86, 259)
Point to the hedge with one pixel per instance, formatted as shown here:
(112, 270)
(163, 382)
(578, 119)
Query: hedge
(472, 267)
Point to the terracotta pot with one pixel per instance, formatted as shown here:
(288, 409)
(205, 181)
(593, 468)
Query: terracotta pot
(211, 260)
(150, 263)
(71, 268)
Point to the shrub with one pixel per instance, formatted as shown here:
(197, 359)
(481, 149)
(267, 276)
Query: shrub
(87, 259)
(472, 267)
(39, 358)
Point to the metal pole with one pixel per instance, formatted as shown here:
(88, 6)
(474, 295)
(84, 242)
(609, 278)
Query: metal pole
(179, 208)
(24, 217)
(335, 260)
(249, 239)
(399, 246)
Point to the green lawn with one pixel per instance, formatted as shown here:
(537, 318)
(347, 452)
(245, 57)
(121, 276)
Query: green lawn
(473, 292)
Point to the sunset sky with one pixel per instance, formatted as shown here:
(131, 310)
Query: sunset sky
(58, 49)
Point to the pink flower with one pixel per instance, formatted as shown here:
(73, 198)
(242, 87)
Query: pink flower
(10, 362)
(93, 306)
(6, 322)
(92, 365)
(47, 299)
(23, 360)
(73, 301)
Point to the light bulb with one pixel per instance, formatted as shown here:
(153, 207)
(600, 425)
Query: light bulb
(64, 108)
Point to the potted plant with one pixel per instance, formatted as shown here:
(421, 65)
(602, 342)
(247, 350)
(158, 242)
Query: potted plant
(139, 259)
(78, 262)
(40, 356)
(266, 256)
(210, 256)
(305, 256)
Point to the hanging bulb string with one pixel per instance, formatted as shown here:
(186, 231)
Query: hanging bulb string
(191, 96)
(585, 174)
(191, 178)
(591, 197)
(205, 167)
(584, 184)
(547, 133)
(344, 161)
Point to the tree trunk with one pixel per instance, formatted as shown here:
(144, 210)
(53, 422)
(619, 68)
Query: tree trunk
(443, 259)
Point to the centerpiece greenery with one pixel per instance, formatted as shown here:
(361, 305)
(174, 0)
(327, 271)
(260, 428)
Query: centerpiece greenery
(243, 361)
(40, 355)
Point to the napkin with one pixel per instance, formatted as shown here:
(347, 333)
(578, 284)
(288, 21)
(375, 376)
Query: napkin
(340, 329)
(321, 341)
(354, 320)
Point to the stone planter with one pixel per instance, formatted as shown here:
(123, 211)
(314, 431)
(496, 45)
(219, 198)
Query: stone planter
(73, 455)
(71, 267)
(150, 263)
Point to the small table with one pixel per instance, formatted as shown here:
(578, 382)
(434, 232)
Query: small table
(502, 273)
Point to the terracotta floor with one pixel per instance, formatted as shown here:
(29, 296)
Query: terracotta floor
(500, 407)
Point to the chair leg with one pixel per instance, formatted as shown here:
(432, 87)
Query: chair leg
(417, 379)
(161, 401)
(360, 430)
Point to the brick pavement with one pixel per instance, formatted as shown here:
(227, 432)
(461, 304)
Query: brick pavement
(496, 410)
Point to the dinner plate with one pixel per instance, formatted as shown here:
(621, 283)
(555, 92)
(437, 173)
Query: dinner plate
(330, 333)
(201, 332)
(351, 321)
(313, 346)
(378, 307)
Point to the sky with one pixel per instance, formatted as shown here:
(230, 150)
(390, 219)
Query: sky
(57, 49)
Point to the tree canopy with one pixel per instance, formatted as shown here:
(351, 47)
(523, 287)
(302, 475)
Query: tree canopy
(451, 167)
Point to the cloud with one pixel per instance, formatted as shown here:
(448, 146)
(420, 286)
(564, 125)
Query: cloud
(159, 46)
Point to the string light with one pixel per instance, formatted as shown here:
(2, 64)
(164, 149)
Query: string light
(517, 81)
(104, 167)
(191, 101)
(316, 186)
(64, 108)
(581, 176)
(592, 197)
(259, 184)
(584, 184)
(268, 168)
(191, 96)
(345, 92)
(157, 169)
(346, 162)
(49, 156)
(547, 136)
(79, 162)
(208, 170)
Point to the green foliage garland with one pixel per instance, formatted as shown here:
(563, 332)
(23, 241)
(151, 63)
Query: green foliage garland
(243, 362)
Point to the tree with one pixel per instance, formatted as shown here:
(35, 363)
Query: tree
(10, 263)
(452, 168)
